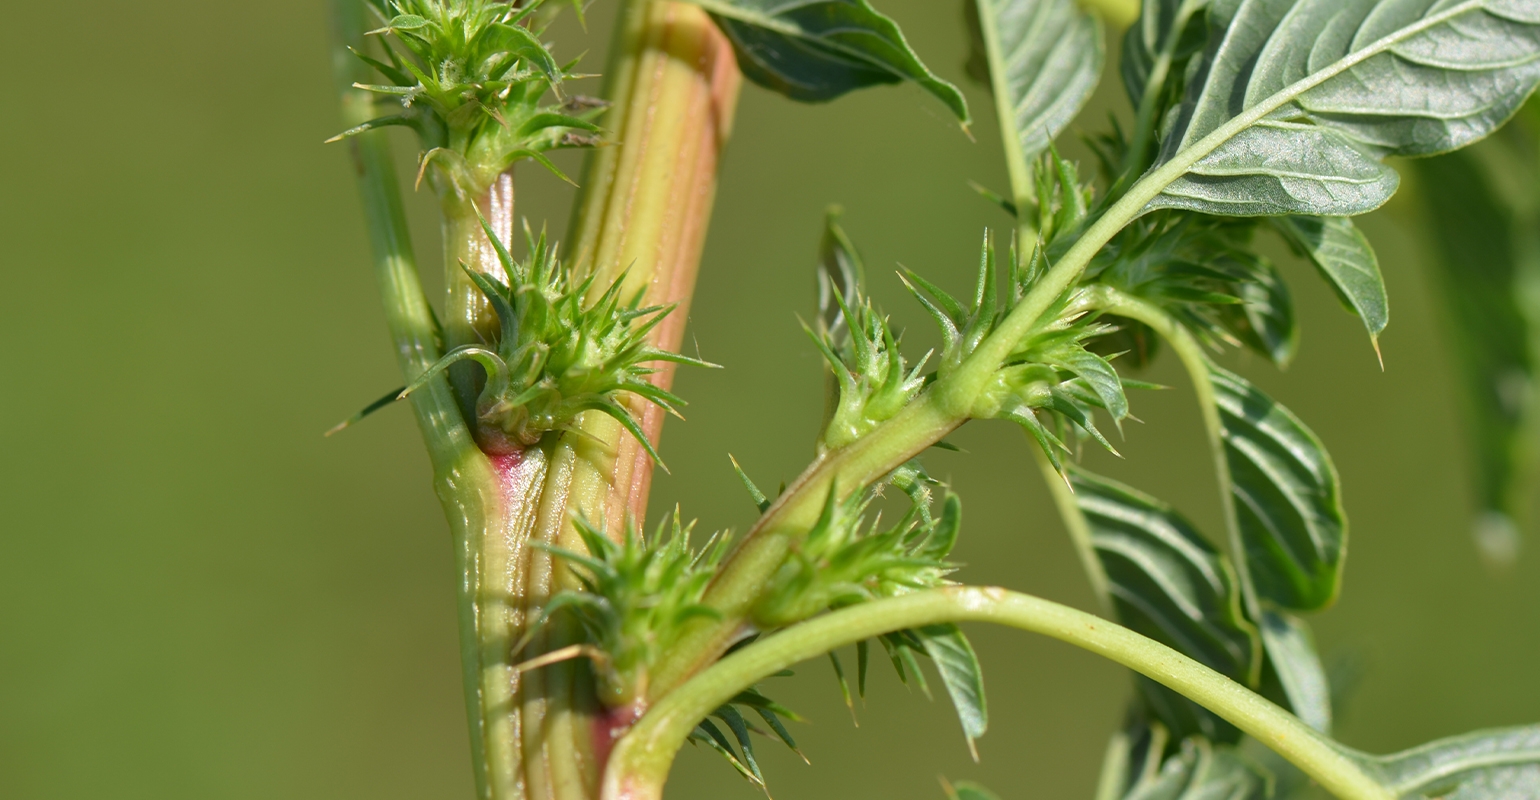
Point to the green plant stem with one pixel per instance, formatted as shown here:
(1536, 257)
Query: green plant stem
(1077, 526)
(640, 763)
(468, 317)
(463, 477)
(1121, 13)
(1016, 165)
(1190, 352)
(929, 417)
(738, 583)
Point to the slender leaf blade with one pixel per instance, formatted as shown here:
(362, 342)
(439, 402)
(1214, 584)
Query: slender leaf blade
(1287, 497)
(817, 50)
(1296, 102)
(1045, 57)
(1168, 583)
(1291, 652)
(959, 668)
(1345, 259)
(1485, 765)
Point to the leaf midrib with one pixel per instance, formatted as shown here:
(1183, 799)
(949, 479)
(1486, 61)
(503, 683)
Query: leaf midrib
(1498, 759)
(1187, 157)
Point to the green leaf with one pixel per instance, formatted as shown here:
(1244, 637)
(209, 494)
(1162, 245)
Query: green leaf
(1264, 319)
(1291, 652)
(1287, 503)
(1044, 59)
(816, 50)
(959, 669)
(1485, 765)
(1295, 102)
(1168, 583)
(1344, 258)
(1477, 268)
(1141, 765)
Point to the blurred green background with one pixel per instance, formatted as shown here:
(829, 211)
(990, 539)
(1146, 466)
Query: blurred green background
(200, 597)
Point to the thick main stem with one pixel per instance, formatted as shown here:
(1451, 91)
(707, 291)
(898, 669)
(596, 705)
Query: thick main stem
(642, 215)
(645, 210)
(641, 761)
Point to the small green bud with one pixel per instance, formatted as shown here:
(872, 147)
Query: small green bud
(637, 597)
(844, 560)
(470, 77)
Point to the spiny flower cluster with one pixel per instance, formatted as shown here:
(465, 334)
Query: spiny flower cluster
(872, 381)
(844, 560)
(558, 356)
(637, 595)
(470, 82)
(1050, 370)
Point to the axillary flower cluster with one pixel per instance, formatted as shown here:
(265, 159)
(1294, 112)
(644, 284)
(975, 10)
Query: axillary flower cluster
(471, 84)
(558, 355)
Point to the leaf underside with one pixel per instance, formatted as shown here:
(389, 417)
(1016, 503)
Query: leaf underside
(1344, 258)
(817, 50)
(1287, 498)
(1148, 769)
(1168, 583)
(1052, 53)
(1485, 765)
(1296, 102)
(959, 669)
(1291, 652)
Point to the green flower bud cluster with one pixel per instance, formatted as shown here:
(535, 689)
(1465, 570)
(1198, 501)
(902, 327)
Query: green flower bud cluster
(637, 596)
(1049, 372)
(872, 381)
(844, 560)
(470, 82)
(558, 356)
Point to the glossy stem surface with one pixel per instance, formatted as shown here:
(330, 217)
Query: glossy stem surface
(466, 481)
(641, 218)
(468, 317)
(640, 764)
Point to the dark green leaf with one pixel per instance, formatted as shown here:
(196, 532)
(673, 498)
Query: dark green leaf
(1291, 652)
(840, 273)
(1264, 319)
(1287, 503)
(1045, 57)
(1343, 256)
(813, 50)
(709, 733)
(839, 675)
(1477, 269)
(389, 397)
(1295, 102)
(959, 669)
(1485, 765)
(1141, 766)
(1168, 583)
(1152, 44)
(740, 730)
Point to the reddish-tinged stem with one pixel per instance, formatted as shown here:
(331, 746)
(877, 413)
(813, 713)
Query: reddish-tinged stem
(650, 221)
(468, 317)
